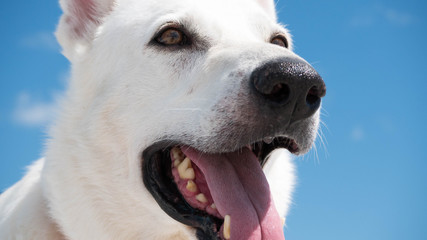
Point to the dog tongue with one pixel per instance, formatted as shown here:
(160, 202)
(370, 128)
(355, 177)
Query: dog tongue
(240, 189)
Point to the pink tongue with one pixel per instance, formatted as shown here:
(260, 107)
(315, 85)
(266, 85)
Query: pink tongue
(239, 189)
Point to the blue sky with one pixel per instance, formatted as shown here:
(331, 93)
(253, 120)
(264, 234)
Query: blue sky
(368, 181)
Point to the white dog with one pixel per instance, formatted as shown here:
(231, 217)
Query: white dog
(169, 124)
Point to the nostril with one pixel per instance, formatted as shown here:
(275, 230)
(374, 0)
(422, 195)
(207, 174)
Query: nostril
(313, 97)
(279, 93)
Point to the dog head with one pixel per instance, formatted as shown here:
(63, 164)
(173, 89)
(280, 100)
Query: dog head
(173, 109)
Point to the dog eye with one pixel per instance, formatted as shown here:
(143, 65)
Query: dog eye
(171, 36)
(280, 40)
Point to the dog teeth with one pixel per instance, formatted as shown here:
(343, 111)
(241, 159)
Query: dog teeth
(226, 230)
(188, 174)
(177, 153)
(183, 165)
(185, 170)
(201, 198)
(268, 140)
(176, 163)
(191, 186)
(177, 156)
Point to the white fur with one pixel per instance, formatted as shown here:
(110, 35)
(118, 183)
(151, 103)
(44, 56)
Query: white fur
(121, 100)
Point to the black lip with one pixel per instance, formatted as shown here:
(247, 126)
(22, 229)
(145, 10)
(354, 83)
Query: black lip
(158, 180)
(262, 149)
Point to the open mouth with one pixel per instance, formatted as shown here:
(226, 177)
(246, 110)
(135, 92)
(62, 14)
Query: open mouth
(221, 195)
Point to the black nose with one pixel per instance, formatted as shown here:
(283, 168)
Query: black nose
(291, 85)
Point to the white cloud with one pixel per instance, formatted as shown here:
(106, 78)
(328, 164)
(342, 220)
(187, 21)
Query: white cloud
(357, 134)
(32, 112)
(377, 14)
(398, 18)
(41, 40)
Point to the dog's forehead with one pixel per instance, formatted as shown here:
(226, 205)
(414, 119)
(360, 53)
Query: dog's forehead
(210, 6)
(231, 18)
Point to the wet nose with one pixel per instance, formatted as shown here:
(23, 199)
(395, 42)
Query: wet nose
(291, 85)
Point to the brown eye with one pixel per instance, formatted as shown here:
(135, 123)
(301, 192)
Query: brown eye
(280, 40)
(171, 36)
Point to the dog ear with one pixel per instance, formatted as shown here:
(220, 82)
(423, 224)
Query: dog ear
(79, 22)
(269, 6)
